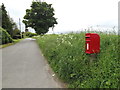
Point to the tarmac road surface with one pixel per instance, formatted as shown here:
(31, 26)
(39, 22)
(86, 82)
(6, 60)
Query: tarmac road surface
(23, 66)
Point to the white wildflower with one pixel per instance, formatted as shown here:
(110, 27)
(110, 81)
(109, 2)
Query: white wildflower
(53, 75)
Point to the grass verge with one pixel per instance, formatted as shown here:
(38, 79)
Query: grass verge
(9, 44)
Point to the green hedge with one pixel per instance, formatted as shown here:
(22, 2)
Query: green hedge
(4, 37)
(66, 55)
(29, 34)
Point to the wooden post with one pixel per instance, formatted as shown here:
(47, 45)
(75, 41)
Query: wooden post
(92, 58)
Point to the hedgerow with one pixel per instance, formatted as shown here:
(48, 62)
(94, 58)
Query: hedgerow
(66, 55)
(30, 34)
(4, 37)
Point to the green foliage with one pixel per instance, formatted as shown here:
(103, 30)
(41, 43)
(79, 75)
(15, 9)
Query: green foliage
(4, 37)
(7, 22)
(16, 34)
(29, 34)
(40, 17)
(66, 55)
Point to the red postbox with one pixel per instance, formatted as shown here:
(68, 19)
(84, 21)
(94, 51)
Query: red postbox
(92, 43)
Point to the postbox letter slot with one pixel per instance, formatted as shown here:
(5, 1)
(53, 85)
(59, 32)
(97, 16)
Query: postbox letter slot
(87, 37)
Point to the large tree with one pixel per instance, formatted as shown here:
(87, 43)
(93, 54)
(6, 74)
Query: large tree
(40, 17)
(7, 22)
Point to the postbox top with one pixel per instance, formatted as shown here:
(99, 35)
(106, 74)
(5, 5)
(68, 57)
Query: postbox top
(91, 34)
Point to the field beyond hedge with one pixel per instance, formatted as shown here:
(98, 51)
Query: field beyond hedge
(66, 55)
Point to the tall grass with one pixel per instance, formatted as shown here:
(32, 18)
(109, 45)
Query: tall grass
(66, 55)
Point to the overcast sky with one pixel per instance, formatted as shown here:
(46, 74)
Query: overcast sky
(73, 15)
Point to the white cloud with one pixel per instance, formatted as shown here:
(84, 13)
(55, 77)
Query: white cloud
(72, 14)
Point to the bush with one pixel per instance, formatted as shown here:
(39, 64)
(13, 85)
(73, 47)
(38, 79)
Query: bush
(66, 55)
(4, 37)
(29, 34)
(17, 37)
(16, 34)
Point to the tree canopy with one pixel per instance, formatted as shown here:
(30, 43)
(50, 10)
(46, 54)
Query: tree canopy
(7, 22)
(40, 17)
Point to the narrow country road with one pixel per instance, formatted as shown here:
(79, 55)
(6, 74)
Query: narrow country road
(23, 66)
